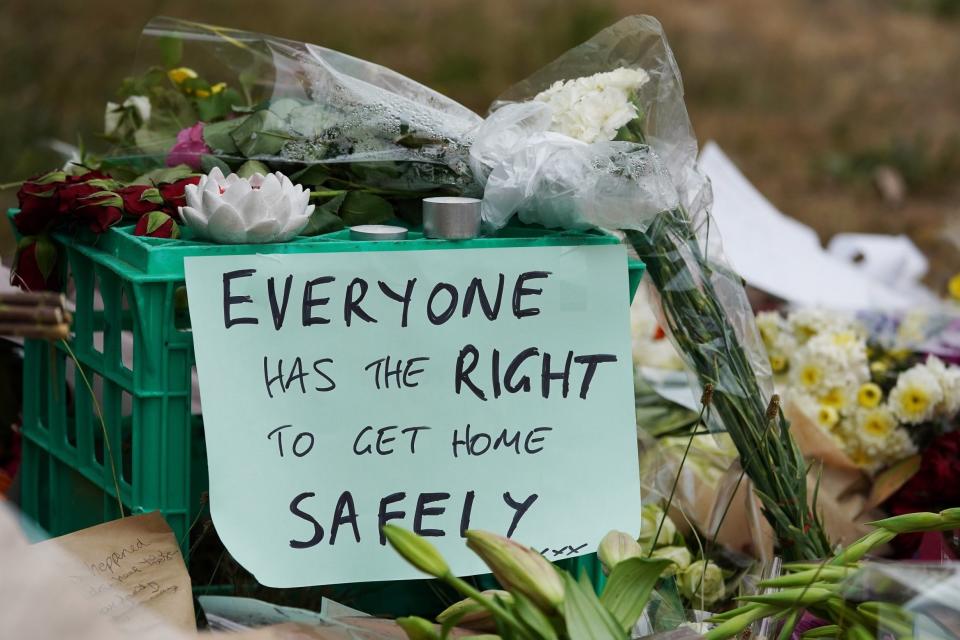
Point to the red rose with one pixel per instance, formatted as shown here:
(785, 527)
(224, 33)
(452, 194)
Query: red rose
(38, 199)
(172, 194)
(139, 199)
(71, 195)
(99, 211)
(35, 267)
(936, 486)
(157, 224)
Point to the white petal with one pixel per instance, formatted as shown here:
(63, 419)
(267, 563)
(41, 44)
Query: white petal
(216, 175)
(210, 201)
(226, 226)
(192, 194)
(263, 231)
(255, 180)
(209, 184)
(237, 192)
(196, 220)
(270, 188)
(280, 210)
(253, 209)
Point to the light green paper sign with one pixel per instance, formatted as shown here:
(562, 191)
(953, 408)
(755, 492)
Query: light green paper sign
(435, 390)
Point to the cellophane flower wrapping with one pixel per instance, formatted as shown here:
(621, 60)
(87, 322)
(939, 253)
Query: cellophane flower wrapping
(599, 138)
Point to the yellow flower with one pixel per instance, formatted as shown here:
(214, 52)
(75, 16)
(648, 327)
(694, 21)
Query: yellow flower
(827, 417)
(914, 401)
(878, 367)
(217, 88)
(180, 74)
(778, 363)
(954, 287)
(878, 423)
(834, 398)
(869, 395)
(859, 457)
(811, 375)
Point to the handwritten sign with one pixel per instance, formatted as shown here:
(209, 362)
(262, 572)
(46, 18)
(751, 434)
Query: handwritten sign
(437, 390)
(129, 571)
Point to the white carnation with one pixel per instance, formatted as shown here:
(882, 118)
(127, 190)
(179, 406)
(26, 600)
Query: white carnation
(593, 108)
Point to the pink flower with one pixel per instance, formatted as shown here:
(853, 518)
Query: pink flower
(188, 148)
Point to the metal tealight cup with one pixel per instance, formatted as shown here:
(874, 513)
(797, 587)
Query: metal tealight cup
(376, 232)
(451, 218)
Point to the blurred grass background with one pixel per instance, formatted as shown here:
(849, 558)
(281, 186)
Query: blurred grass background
(845, 113)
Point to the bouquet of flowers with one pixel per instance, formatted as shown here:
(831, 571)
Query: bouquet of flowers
(878, 404)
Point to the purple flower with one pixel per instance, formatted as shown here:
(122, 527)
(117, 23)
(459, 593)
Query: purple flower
(188, 148)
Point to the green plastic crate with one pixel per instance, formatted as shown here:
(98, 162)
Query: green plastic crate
(67, 478)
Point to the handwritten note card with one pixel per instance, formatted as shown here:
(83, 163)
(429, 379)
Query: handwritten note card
(126, 567)
(436, 390)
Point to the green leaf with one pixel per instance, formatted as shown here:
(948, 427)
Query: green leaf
(251, 167)
(629, 586)
(217, 136)
(360, 207)
(585, 617)
(152, 141)
(314, 174)
(260, 134)
(171, 51)
(46, 255)
(324, 218)
(533, 618)
(208, 162)
(164, 174)
(155, 220)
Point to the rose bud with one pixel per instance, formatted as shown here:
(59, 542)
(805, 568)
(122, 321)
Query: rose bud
(139, 199)
(416, 550)
(519, 568)
(172, 194)
(157, 224)
(616, 547)
(99, 211)
(38, 200)
(35, 266)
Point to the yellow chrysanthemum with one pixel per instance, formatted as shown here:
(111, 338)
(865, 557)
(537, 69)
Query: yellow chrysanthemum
(859, 457)
(835, 398)
(778, 363)
(869, 395)
(914, 401)
(878, 423)
(178, 75)
(811, 375)
(954, 287)
(827, 417)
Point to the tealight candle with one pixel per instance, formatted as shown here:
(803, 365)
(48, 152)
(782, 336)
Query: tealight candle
(451, 218)
(376, 232)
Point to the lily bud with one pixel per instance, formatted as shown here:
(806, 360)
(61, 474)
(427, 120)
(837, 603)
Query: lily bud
(519, 568)
(616, 547)
(416, 550)
(911, 522)
(418, 628)
(473, 615)
(680, 557)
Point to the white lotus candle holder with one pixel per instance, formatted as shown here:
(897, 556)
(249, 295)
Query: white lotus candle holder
(255, 210)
